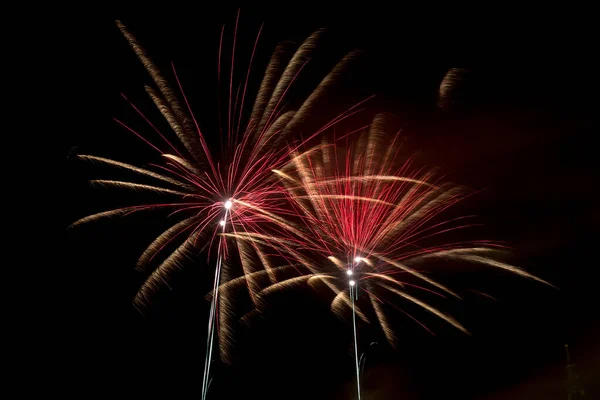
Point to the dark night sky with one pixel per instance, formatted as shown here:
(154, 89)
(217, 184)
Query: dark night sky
(523, 132)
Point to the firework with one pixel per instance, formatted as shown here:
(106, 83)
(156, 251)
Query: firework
(234, 192)
(453, 88)
(367, 225)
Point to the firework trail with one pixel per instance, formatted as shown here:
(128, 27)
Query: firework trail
(235, 192)
(366, 225)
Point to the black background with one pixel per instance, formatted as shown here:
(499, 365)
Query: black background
(522, 130)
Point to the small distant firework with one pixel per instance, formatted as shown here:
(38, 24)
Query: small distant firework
(452, 88)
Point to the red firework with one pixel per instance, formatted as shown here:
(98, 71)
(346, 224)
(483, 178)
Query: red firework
(371, 226)
(235, 192)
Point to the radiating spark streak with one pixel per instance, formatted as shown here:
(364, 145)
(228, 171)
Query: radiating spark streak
(265, 263)
(182, 173)
(269, 241)
(424, 289)
(190, 168)
(171, 263)
(248, 76)
(477, 292)
(331, 77)
(149, 65)
(163, 239)
(433, 213)
(411, 217)
(164, 88)
(203, 144)
(166, 112)
(347, 197)
(225, 320)
(237, 18)
(277, 126)
(270, 79)
(360, 179)
(219, 83)
(119, 212)
(323, 278)
(200, 208)
(272, 217)
(414, 257)
(138, 135)
(140, 208)
(138, 186)
(504, 266)
(132, 168)
(422, 325)
(417, 274)
(164, 270)
(383, 322)
(336, 261)
(273, 114)
(454, 253)
(236, 282)
(426, 306)
(289, 74)
(443, 223)
(288, 283)
(414, 242)
(344, 115)
(286, 176)
(104, 214)
(385, 277)
(152, 125)
(245, 257)
(256, 237)
(343, 298)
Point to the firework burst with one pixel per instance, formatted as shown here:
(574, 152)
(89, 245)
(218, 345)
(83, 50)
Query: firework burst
(368, 225)
(217, 193)
(235, 192)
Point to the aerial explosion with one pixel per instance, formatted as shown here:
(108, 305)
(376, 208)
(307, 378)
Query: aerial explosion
(347, 216)
(235, 192)
(367, 227)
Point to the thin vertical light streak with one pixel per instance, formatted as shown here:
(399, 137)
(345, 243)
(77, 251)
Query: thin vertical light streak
(355, 342)
(213, 314)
